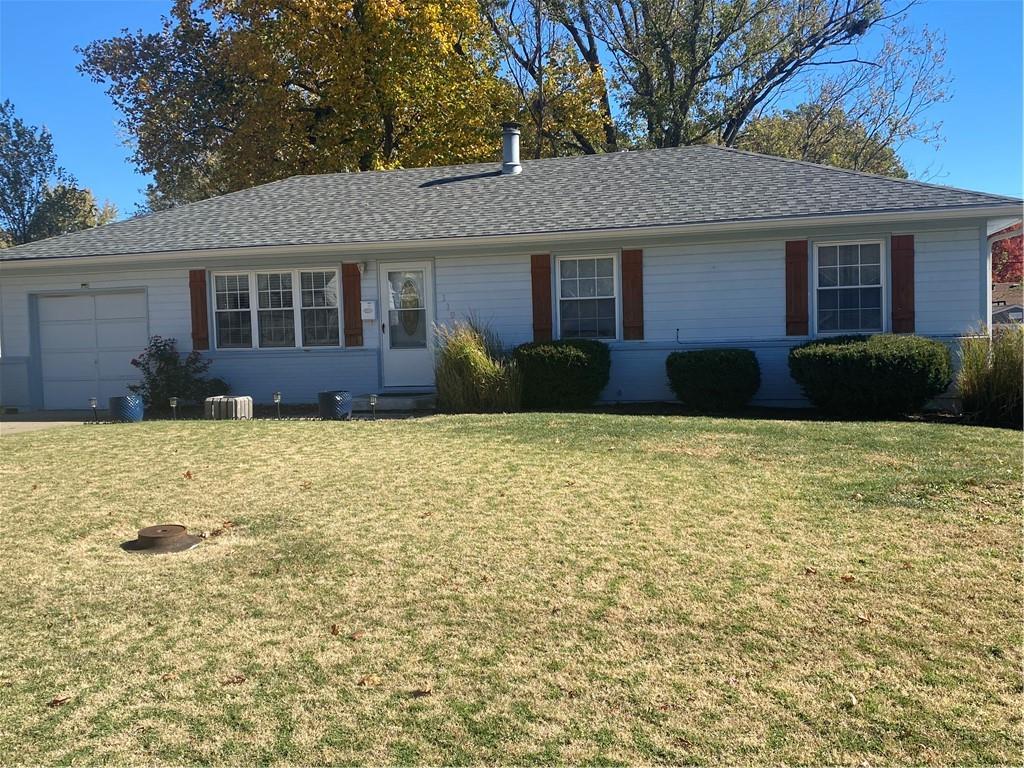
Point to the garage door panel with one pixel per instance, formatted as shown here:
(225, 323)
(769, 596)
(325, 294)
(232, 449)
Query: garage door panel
(67, 336)
(122, 334)
(87, 343)
(69, 365)
(68, 394)
(66, 308)
(116, 363)
(115, 306)
(109, 388)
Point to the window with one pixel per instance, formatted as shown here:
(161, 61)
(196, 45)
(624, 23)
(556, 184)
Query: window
(587, 305)
(276, 315)
(848, 282)
(233, 315)
(319, 308)
(273, 314)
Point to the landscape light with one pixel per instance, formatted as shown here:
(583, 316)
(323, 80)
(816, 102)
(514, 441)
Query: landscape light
(277, 402)
(373, 406)
(174, 407)
(93, 402)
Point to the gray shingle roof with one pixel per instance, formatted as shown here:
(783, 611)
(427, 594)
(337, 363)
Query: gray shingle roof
(685, 185)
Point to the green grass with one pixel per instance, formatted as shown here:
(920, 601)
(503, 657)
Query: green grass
(537, 588)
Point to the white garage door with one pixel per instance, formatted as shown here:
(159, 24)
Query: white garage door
(87, 341)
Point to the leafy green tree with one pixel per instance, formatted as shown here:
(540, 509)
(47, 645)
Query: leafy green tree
(38, 198)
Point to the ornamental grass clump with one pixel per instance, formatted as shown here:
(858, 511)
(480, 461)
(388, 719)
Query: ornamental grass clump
(990, 378)
(871, 377)
(471, 374)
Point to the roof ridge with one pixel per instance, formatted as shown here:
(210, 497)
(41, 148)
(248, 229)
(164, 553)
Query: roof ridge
(866, 174)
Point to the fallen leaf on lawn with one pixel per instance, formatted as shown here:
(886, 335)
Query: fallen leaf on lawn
(188, 475)
(34, 486)
(335, 630)
(858, 496)
(367, 681)
(168, 676)
(233, 680)
(357, 635)
(853, 700)
(862, 619)
(306, 485)
(58, 701)
(809, 571)
(419, 693)
(428, 513)
(848, 578)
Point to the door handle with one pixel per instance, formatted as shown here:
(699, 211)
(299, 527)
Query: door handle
(383, 328)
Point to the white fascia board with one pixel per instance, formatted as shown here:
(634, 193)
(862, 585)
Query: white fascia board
(543, 240)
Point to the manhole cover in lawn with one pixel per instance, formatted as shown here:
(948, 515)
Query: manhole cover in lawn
(162, 540)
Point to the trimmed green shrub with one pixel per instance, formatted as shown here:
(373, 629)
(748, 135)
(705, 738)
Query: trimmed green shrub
(470, 374)
(714, 380)
(865, 377)
(166, 374)
(569, 373)
(991, 378)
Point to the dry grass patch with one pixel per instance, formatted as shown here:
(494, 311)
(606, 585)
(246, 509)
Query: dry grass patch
(526, 589)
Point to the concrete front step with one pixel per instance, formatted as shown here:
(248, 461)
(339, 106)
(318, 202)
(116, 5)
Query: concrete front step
(397, 402)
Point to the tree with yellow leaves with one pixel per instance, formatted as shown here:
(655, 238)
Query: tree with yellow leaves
(233, 93)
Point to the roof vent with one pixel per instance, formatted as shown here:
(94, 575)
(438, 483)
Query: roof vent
(510, 149)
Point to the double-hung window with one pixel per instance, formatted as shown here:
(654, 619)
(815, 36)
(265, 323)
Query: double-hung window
(587, 297)
(289, 306)
(849, 287)
(232, 311)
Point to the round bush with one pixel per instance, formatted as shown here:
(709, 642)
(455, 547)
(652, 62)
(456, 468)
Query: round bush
(563, 374)
(871, 376)
(714, 380)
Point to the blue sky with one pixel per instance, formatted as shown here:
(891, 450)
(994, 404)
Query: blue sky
(982, 123)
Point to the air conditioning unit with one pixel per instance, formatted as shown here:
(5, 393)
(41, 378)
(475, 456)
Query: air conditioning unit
(225, 407)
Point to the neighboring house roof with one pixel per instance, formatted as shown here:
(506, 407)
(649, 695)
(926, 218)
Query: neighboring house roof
(664, 187)
(1007, 294)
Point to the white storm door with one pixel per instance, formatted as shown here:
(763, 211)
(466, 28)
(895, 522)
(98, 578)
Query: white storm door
(407, 323)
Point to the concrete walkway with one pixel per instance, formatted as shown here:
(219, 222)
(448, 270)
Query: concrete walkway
(32, 421)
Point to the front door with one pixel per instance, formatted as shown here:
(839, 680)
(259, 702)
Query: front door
(407, 323)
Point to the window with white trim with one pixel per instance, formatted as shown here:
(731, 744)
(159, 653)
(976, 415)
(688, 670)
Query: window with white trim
(849, 287)
(314, 293)
(319, 308)
(587, 297)
(276, 315)
(232, 312)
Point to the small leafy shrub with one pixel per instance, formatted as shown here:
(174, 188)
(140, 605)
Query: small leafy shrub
(563, 374)
(879, 376)
(165, 374)
(714, 380)
(990, 378)
(471, 374)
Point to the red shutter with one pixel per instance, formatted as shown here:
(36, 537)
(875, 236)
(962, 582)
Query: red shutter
(200, 319)
(902, 259)
(796, 288)
(351, 302)
(633, 294)
(540, 276)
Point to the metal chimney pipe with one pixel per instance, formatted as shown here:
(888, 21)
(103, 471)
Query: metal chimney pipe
(510, 148)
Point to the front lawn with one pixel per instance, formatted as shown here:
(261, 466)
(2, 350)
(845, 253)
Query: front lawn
(517, 589)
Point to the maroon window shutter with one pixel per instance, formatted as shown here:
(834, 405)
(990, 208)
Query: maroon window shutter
(351, 301)
(633, 294)
(200, 319)
(796, 288)
(540, 276)
(902, 258)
